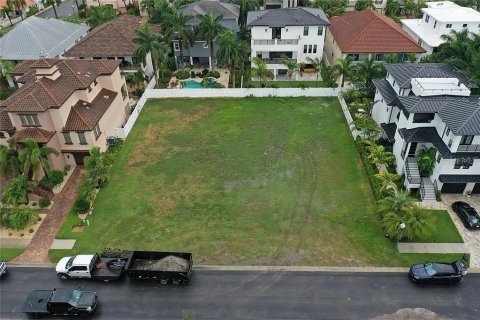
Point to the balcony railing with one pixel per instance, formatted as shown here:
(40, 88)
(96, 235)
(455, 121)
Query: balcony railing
(272, 61)
(469, 148)
(280, 42)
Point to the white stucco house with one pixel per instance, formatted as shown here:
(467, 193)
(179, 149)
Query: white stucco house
(430, 105)
(296, 32)
(440, 18)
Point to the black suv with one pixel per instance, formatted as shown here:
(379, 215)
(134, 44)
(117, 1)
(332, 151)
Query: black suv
(436, 272)
(468, 215)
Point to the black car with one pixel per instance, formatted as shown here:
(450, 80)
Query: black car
(437, 272)
(467, 214)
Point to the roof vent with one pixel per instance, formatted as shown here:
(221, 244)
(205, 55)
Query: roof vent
(84, 103)
(106, 97)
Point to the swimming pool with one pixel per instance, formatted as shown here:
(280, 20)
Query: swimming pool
(192, 84)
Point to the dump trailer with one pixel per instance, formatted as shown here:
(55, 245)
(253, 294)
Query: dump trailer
(166, 267)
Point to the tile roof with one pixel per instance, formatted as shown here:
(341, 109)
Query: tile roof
(40, 95)
(5, 123)
(37, 134)
(279, 18)
(368, 31)
(385, 90)
(84, 116)
(404, 72)
(36, 37)
(112, 39)
(226, 10)
(390, 129)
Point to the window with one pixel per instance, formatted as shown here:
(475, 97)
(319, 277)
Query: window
(67, 137)
(96, 131)
(176, 46)
(305, 49)
(423, 117)
(353, 56)
(29, 120)
(439, 158)
(2, 135)
(448, 132)
(464, 163)
(305, 31)
(379, 57)
(449, 25)
(205, 45)
(464, 25)
(434, 24)
(81, 137)
(320, 31)
(309, 48)
(466, 140)
(314, 48)
(458, 164)
(393, 84)
(427, 18)
(450, 143)
(276, 33)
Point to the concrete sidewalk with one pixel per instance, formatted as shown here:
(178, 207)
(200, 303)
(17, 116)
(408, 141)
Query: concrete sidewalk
(14, 243)
(432, 248)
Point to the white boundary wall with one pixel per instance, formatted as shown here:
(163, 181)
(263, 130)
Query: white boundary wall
(226, 93)
(348, 117)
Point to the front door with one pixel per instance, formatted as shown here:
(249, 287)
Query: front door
(413, 149)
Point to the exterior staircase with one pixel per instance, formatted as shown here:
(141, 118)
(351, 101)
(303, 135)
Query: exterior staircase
(427, 190)
(411, 171)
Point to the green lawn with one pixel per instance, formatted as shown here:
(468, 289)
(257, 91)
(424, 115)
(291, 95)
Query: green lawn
(255, 181)
(7, 254)
(292, 84)
(445, 230)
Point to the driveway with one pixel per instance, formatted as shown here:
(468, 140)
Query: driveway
(65, 9)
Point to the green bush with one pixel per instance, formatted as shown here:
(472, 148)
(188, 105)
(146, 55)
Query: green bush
(43, 203)
(66, 169)
(81, 205)
(5, 94)
(249, 85)
(32, 11)
(138, 92)
(215, 74)
(182, 75)
(369, 169)
(217, 85)
(19, 217)
(54, 179)
(274, 85)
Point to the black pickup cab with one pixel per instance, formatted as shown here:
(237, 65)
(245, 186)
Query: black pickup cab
(60, 302)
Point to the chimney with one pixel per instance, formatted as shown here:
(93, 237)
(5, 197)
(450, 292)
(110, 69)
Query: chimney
(51, 73)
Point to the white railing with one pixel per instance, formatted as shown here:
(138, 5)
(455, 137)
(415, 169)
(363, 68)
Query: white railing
(223, 93)
(348, 117)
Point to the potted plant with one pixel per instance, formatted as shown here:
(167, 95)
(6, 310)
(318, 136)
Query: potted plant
(426, 161)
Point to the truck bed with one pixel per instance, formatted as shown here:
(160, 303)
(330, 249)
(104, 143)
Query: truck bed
(107, 272)
(37, 301)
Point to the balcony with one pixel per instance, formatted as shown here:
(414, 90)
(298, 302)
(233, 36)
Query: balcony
(272, 61)
(275, 42)
(469, 148)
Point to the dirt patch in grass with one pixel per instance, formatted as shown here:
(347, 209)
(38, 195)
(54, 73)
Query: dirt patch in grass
(292, 257)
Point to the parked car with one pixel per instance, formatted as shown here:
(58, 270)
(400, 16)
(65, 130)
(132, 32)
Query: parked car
(468, 215)
(3, 268)
(41, 303)
(437, 272)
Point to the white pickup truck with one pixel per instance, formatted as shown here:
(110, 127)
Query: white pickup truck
(91, 266)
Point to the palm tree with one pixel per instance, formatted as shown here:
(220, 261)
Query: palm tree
(137, 78)
(392, 8)
(317, 65)
(99, 15)
(368, 126)
(330, 7)
(210, 28)
(16, 191)
(96, 170)
(149, 42)
(52, 3)
(397, 202)
(417, 223)
(343, 68)
(33, 159)
(426, 161)
(232, 52)
(7, 11)
(147, 6)
(368, 70)
(379, 155)
(456, 48)
(5, 69)
(388, 181)
(18, 5)
(291, 65)
(245, 7)
(364, 4)
(159, 10)
(177, 22)
(260, 70)
(9, 163)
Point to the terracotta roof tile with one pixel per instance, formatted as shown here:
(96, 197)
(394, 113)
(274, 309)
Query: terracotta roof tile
(368, 31)
(43, 63)
(84, 116)
(112, 39)
(5, 123)
(37, 134)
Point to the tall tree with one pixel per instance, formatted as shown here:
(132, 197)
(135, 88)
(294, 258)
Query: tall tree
(149, 42)
(368, 70)
(53, 3)
(159, 11)
(18, 5)
(260, 70)
(209, 29)
(232, 52)
(291, 65)
(96, 170)
(330, 7)
(379, 155)
(5, 69)
(16, 191)
(392, 8)
(343, 68)
(99, 15)
(245, 7)
(7, 11)
(34, 159)
(317, 65)
(177, 22)
(397, 202)
(364, 4)
(9, 163)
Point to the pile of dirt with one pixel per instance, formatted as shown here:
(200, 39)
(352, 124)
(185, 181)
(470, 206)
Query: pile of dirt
(169, 263)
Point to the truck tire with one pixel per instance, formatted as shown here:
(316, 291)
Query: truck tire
(164, 281)
(63, 276)
(175, 282)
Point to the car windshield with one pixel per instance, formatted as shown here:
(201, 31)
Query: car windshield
(474, 220)
(70, 262)
(76, 295)
(430, 269)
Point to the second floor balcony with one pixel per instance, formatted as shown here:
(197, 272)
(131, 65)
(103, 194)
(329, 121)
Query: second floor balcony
(275, 42)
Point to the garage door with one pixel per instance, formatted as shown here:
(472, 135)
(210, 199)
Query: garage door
(453, 187)
(476, 189)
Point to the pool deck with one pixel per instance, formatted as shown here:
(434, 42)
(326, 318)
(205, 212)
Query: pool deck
(224, 76)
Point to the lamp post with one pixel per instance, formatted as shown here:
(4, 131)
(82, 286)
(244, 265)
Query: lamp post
(402, 227)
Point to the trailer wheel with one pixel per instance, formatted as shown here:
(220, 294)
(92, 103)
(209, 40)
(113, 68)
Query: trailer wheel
(63, 276)
(175, 282)
(106, 280)
(164, 281)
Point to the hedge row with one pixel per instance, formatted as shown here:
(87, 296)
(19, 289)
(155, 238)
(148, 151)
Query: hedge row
(369, 169)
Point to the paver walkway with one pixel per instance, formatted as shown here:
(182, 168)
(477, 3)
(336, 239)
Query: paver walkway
(37, 250)
(432, 248)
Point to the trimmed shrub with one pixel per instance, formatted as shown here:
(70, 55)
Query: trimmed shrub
(31, 230)
(369, 169)
(182, 75)
(81, 205)
(19, 217)
(54, 179)
(66, 169)
(274, 85)
(217, 85)
(215, 74)
(43, 203)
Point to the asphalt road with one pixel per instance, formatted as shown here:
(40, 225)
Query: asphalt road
(65, 9)
(255, 295)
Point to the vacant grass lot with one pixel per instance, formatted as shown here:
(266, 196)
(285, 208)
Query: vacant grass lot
(274, 181)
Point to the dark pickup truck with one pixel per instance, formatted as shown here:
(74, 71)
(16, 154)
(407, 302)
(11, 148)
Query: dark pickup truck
(60, 302)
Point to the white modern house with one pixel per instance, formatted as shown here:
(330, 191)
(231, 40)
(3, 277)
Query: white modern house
(277, 4)
(440, 18)
(430, 105)
(297, 33)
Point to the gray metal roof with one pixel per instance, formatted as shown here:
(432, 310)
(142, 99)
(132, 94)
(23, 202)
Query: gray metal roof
(279, 18)
(459, 178)
(390, 129)
(228, 11)
(404, 72)
(461, 114)
(430, 134)
(36, 38)
(386, 90)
